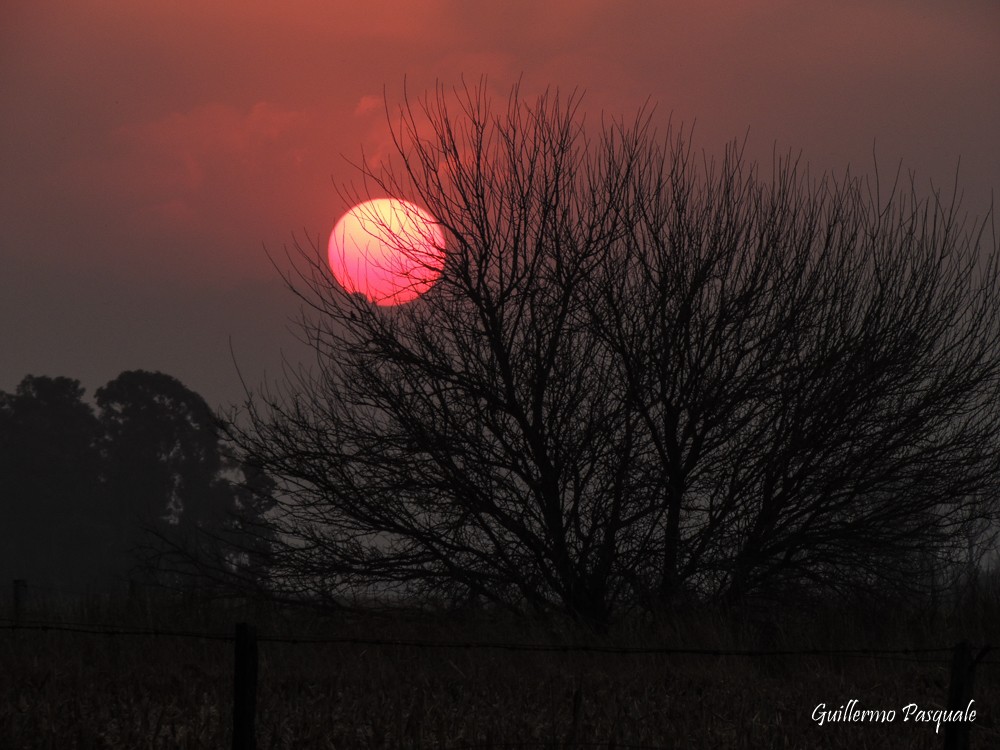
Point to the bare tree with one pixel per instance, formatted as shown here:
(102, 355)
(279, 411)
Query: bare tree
(640, 376)
(816, 372)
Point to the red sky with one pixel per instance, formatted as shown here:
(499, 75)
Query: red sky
(151, 150)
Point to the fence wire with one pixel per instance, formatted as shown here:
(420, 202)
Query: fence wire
(915, 655)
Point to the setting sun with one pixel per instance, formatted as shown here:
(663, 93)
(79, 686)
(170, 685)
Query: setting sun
(387, 249)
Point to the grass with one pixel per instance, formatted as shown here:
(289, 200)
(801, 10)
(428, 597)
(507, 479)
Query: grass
(71, 690)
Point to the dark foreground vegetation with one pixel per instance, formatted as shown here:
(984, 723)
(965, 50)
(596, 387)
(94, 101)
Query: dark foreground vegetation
(69, 690)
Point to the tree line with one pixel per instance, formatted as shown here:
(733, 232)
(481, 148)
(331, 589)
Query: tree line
(135, 486)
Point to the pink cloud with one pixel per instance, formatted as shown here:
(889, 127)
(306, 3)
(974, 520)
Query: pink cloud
(218, 134)
(368, 103)
(171, 167)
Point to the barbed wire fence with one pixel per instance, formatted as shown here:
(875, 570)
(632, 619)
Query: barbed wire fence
(903, 654)
(964, 658)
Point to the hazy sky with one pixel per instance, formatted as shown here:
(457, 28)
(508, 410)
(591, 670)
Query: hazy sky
(152, 150)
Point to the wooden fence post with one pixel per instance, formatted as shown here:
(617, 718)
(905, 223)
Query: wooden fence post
(245, 687)
(20, 597)
(963, 672)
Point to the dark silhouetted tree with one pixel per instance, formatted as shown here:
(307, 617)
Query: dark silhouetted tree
(179, 499)
(641, 377)
(53, 515)
(142, 489)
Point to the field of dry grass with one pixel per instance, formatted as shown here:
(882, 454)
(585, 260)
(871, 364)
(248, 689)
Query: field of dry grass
(74, 690)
